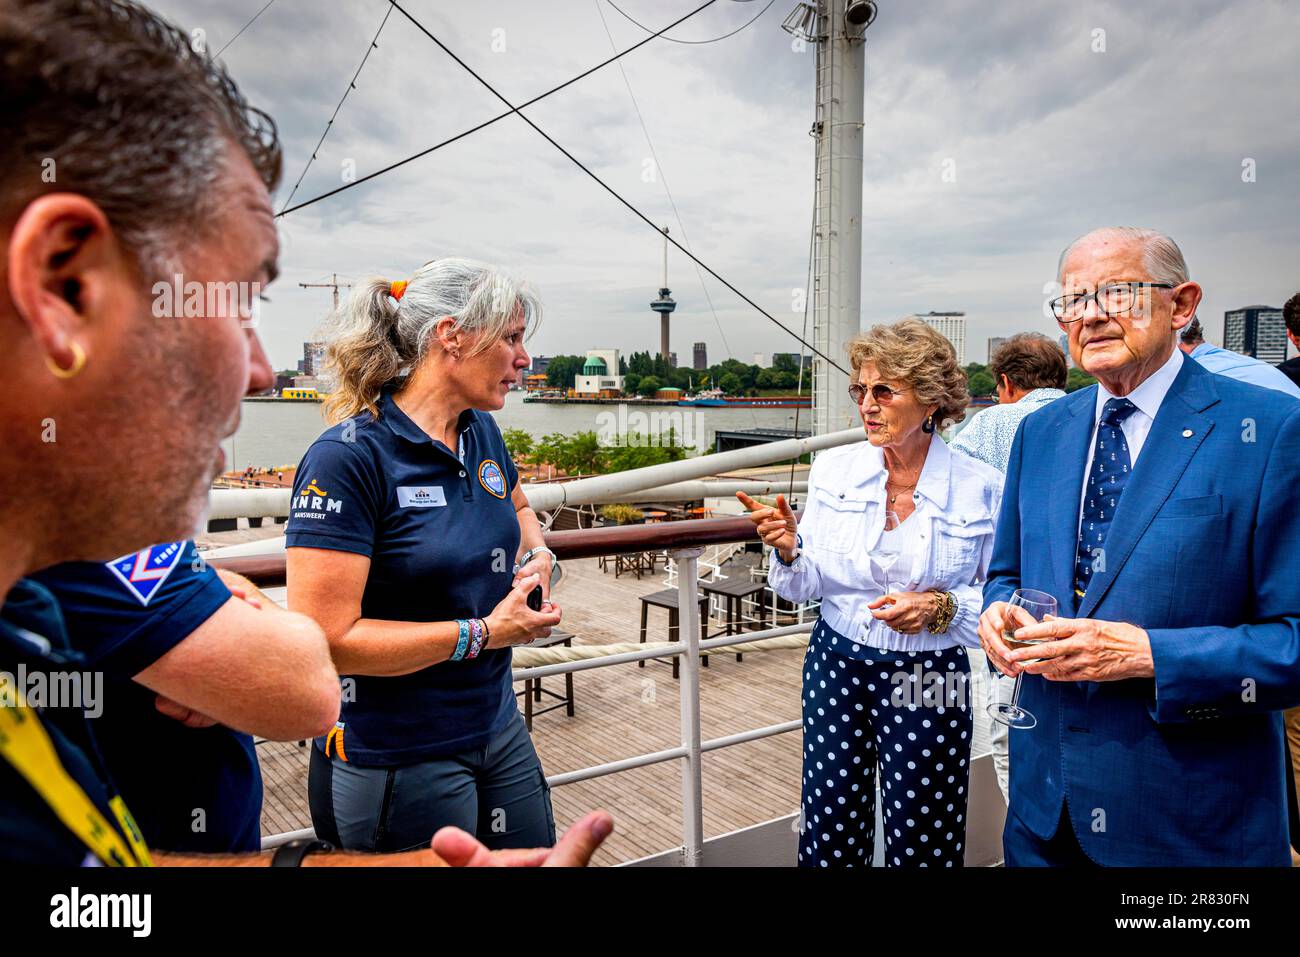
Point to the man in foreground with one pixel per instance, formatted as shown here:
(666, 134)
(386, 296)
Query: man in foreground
(129, 159)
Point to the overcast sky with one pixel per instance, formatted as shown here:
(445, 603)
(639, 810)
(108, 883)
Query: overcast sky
(1047, 137)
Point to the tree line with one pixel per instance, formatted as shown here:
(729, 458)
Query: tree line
(645, 373)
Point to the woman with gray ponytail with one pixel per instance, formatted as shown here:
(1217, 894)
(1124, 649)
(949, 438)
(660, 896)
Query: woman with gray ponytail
(411, 543)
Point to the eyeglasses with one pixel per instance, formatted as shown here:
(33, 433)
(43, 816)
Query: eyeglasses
(882, 393)
(1112, 300)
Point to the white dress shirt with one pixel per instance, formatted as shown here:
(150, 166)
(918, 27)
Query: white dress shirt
(956, 507)
(1147, 397)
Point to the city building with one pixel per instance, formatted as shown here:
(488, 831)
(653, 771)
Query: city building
(758, 359)
(1256, 331)
(313, 358)
(952, 325)
(1064, 342)
(794, 359)
(993, 345)
(599, 376)
(701, 356)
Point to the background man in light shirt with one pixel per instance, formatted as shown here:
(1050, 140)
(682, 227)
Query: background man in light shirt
(1233, 364)
(1030, 372)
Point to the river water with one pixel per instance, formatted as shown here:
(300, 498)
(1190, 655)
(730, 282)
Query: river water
(278, 433)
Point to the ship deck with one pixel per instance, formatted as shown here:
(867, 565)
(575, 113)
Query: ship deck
(622, 711)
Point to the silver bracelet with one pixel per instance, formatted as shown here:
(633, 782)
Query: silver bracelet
(556, 572)
(528, 556)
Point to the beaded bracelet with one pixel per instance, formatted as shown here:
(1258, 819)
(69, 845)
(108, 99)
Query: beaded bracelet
(476, 638)
(462, 642)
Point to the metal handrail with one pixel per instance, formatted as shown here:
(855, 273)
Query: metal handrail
(622, 539)
(709, 644)
(269, 570)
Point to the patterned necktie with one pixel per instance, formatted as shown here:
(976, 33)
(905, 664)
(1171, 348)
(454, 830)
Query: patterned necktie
(1106, 480)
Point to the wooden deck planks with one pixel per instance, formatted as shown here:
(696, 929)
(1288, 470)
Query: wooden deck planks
(623, 711)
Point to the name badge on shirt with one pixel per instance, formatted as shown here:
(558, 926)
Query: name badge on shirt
(420, 496)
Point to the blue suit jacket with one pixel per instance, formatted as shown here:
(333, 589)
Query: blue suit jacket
(1204, 553)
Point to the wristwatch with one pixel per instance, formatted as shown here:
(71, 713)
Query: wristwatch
(292, 854)
(556, 571)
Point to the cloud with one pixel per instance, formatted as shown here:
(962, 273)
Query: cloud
(1047, 137)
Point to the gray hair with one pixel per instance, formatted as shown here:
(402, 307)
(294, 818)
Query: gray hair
(107, 99)
(1163, 259)
(376, 339)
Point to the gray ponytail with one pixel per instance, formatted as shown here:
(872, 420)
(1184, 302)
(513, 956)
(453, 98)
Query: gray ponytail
(375, 339)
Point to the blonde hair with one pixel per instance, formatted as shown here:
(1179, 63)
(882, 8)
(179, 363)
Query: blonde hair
(376, 340)
(918, 354)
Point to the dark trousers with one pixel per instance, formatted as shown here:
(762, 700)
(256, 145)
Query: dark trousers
(498, 793)
(1021, 847)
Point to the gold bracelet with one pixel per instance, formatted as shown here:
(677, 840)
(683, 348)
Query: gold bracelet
(947, 611)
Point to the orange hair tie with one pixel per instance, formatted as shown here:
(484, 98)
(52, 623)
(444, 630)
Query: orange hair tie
(397, 289)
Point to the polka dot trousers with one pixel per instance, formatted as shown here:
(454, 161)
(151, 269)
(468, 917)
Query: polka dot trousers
(903, 714)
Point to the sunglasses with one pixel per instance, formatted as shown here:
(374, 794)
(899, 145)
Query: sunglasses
(882, 393)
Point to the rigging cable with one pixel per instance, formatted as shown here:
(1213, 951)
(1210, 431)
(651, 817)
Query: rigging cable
(374, 44)
(673, 203)
(242, 29)
(714, 40)
(489, 122)
(609, 189)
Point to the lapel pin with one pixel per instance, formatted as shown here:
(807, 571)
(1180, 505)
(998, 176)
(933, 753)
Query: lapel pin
(1187, 433)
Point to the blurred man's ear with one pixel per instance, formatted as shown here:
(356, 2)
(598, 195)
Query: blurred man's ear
(64, 266)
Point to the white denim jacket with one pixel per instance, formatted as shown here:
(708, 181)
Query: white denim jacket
(957, 499)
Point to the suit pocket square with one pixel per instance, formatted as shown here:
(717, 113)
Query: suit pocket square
(1191, 507)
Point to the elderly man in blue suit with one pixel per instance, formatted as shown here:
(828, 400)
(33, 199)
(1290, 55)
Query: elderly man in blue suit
(1158, 508)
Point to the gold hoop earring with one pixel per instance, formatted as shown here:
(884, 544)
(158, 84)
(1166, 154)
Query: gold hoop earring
(78, 362)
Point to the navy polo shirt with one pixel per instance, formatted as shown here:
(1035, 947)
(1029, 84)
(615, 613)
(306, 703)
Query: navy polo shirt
(441, 535)
(32, 636)
(190, 789)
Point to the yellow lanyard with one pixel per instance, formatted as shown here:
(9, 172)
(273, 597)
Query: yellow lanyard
(26, 745)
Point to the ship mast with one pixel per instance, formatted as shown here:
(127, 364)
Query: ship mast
(837, 28)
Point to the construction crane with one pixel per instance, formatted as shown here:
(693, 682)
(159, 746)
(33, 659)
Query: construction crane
(335, 285)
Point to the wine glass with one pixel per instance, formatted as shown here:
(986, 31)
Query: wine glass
(1027, 607)
(886, 556)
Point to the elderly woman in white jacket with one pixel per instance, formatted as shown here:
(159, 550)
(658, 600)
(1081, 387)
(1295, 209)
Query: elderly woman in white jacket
(895, 540)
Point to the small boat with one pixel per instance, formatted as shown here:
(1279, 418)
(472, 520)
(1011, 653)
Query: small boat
(712, 397)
